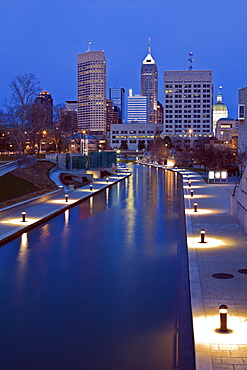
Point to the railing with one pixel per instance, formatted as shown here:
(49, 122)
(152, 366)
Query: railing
(18, 164)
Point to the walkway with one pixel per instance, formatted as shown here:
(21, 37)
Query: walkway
(12, 225)
(224, 252)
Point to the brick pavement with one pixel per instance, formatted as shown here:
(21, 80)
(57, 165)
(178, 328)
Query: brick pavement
(225, 251)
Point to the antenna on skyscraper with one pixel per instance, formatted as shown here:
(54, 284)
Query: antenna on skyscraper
(89, 47)
(149, 45)
(191, 60)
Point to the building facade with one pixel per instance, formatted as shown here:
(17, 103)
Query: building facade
(134, 136)
(188, 98)
(111, 114)
(242, 120)
(149, 85)
(43, 107)
(92, 91)
(160, 113)
(117, 95)
(137, 108)
(227, 131)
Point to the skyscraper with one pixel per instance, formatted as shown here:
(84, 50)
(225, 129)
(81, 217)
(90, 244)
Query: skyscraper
(92, 91)
(117, 95)
(137, 108)
(149, 84)
(188, 103)
(43, 107)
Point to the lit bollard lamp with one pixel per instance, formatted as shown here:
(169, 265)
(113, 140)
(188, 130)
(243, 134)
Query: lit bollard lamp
(203, 232)
(195, 207)
(223, 318)
(189, 184)
(66, 198)
(91, 187)
(192, 193)
(23, 213)
(107, 179)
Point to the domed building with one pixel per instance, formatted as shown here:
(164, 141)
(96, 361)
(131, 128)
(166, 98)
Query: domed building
(219, 111)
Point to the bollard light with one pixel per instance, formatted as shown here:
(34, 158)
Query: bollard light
(66, 197)
(192, 193)
(203, 232)
(107, 179)
(195, 207)
(23, 216)
(223, 318)
(189, 184)
(91, 187)
(118, 175)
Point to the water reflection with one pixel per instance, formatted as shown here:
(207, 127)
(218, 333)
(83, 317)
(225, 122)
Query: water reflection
(91, 204)
(45, 233)
(101, 282)
(66, 217)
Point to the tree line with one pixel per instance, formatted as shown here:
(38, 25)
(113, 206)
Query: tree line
(24, 125)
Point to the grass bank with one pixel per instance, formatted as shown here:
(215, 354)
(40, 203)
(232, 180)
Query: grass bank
(27, 183)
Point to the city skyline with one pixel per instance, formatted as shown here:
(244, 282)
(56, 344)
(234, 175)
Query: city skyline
(47, 41)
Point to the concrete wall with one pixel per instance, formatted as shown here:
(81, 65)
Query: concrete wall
(239, 203)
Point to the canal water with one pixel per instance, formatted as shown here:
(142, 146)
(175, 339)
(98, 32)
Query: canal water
(103, 286)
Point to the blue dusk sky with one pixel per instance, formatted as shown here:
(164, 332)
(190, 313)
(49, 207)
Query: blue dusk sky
(45, 37)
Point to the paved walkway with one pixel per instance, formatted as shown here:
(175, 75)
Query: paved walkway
(12, 225)
(225, 251)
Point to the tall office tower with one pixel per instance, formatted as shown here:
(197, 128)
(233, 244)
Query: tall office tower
(43, 107)
(117, 95)
(219, 110)
(149, 84)
(188, 103)
(92, 91)
(242, 120)
(137, 108)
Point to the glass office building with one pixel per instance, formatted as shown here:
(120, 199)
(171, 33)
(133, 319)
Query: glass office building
(117, 95)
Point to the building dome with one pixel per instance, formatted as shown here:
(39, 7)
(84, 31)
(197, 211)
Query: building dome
(219, 105)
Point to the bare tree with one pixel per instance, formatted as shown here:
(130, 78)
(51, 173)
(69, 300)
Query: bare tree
(56, 131)
(24, 89)
(159, 150)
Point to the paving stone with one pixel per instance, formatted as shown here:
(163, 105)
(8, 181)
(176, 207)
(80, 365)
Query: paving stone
(232, 360)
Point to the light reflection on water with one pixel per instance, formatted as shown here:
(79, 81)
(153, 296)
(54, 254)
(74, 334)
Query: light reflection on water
(99, 288)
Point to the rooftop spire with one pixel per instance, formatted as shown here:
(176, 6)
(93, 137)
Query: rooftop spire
(89, 45)
(219, 96)
(149, 59)
(149, 45)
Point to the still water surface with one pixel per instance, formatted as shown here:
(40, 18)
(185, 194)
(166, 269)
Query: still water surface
(102, 286)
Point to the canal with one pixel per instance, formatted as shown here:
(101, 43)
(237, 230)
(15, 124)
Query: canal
(103, 286)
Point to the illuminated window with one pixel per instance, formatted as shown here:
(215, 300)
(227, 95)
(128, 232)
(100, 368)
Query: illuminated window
(241, 111)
